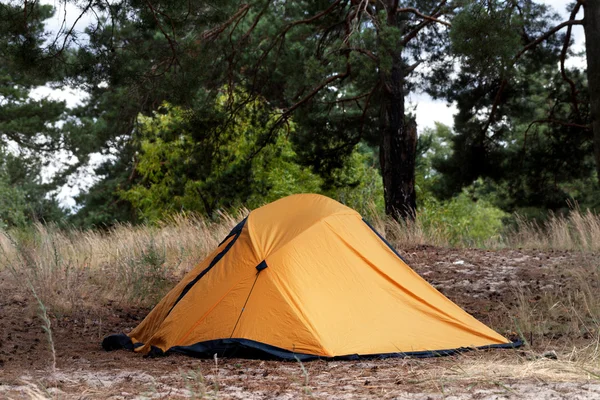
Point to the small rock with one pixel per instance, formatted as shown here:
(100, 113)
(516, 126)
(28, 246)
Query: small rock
(551, 355)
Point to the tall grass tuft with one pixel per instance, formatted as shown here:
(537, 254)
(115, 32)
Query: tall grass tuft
(46, 326)
(406, 234)
(306, 384)
(577, 230)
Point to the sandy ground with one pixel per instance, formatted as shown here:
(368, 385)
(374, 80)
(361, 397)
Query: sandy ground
(485, 283)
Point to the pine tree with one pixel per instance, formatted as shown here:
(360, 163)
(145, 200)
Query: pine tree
(524, 119)
(344, 70)
(30, 132)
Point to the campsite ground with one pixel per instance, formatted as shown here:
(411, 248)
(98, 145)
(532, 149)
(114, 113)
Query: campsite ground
(541, 295)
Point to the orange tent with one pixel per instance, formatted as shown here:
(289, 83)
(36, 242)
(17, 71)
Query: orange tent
(305, 277)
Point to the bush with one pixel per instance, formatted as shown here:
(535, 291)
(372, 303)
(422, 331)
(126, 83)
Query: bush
(362, 188)
(13, 206)
(462, 220)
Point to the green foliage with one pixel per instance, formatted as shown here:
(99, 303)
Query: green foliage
(27, 123)
(13, 205)
(359, 183)
(532, 157)
(145, 275)
(517, 128)
(30, 133)
(24, 198)
(131, 64)
(101, 206)
(434, 145)
(190, 161)
(462, 219)
(211, 147)
(471, 217)
(487, 34)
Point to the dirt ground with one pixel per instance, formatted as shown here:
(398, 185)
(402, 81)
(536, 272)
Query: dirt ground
(485, 283)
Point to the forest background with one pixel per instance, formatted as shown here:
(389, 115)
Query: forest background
(207, 107)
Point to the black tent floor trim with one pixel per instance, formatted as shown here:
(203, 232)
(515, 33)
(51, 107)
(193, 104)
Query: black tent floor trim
(385, 241)
(235, 234)
(245, 348)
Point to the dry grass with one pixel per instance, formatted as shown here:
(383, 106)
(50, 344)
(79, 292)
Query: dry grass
(72, 270)
(408, 234)
(563, 313)
(489, 367)
(578, 230)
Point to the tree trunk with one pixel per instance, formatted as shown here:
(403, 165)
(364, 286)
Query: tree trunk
(397, 150)
(592, 51)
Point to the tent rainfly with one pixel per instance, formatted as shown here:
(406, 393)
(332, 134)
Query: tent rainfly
(305, 277)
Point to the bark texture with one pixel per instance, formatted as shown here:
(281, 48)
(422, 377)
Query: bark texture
(592, 49)
(398, 137)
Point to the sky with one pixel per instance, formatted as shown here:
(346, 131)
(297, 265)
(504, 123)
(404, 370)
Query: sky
(428, 111)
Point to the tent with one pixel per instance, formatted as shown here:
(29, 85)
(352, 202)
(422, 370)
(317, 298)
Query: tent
(305, 277)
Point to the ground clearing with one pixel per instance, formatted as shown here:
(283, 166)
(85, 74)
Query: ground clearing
(540, 294)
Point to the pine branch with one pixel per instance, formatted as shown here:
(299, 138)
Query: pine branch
(316, 90)
(569, 23)
(563, 55)
(172, 44)
(287, 113)
(71, 29)
(437, 12)
(495, 105)
(360, 50)
(347, 99)
(412, 67)
(549, 121)
(545, 36)
(424, 16)
(365, 52)
(281, 36)
(367, 104)
(213, 33)
(557, 122)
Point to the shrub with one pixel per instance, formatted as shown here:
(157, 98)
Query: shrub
(462, 220)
